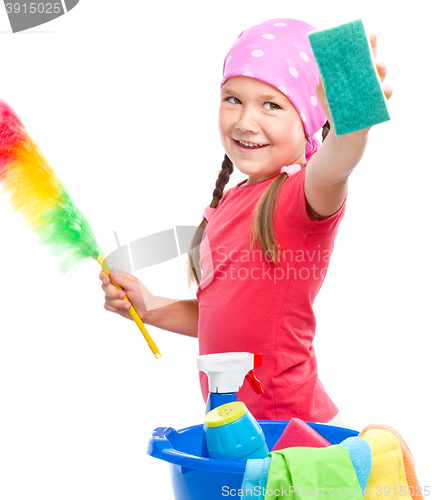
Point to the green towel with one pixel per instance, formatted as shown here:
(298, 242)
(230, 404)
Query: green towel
(306, 473)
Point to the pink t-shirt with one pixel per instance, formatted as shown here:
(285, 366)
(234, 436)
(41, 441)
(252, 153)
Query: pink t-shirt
(248, 304)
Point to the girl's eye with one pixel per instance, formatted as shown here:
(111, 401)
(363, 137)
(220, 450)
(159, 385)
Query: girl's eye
(235, 99)
(271, 104)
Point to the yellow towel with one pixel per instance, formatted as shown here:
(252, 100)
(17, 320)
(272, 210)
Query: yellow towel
(408, 460)
(387, 479)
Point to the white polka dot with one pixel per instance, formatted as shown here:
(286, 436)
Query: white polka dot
(298, 46)
(283, 90)
(304, 56)
(281, 25)
(257, 53)
(248, 73)
(314, 101)
(251, 45)
(246, 67)
(290, 62)
(294, 72)
(269, 36)
(303, 117)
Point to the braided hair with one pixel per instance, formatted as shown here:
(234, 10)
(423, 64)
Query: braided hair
(193, 268)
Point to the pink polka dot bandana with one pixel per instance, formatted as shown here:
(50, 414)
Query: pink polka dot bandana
(278, 52)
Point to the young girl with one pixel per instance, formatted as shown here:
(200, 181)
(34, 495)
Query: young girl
(267, 241)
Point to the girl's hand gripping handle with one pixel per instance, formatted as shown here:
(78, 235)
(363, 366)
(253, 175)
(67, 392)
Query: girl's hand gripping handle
(132, 311)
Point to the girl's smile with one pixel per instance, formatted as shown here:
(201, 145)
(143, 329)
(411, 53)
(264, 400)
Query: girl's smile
(247, 147)
(260, 129)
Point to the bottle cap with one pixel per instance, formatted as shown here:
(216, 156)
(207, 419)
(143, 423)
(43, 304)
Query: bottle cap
(225, 414)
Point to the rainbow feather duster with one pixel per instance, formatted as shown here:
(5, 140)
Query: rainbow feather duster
(46, 206)
(40, 197)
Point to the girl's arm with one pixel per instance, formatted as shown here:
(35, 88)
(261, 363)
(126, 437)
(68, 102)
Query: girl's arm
(180, 316)
(326, 177)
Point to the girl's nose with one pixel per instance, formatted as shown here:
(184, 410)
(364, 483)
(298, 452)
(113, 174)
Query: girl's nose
(247, 122)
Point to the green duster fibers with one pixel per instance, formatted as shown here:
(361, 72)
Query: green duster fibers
(351, 81)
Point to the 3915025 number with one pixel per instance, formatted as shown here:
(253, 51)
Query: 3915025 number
(34, 8)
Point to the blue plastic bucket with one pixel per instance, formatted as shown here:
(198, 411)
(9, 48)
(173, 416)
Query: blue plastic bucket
(197, 478)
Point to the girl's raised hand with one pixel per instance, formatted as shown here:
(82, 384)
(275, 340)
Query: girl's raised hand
(382, 72)
(138, 294)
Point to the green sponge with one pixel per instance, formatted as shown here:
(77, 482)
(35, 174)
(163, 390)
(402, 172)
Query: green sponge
(351, 81)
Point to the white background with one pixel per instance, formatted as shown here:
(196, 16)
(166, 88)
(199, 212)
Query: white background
(122, 98)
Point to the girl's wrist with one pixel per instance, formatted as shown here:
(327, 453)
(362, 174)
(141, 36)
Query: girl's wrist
(149, 316)
(353, 137)
(155, 305)
(145, 318)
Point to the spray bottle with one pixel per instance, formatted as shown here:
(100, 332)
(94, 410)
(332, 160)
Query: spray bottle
(226, 373)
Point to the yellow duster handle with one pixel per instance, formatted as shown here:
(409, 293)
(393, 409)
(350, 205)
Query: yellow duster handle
(132, 310)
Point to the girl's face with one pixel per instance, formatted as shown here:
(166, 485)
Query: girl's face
(257, 113)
